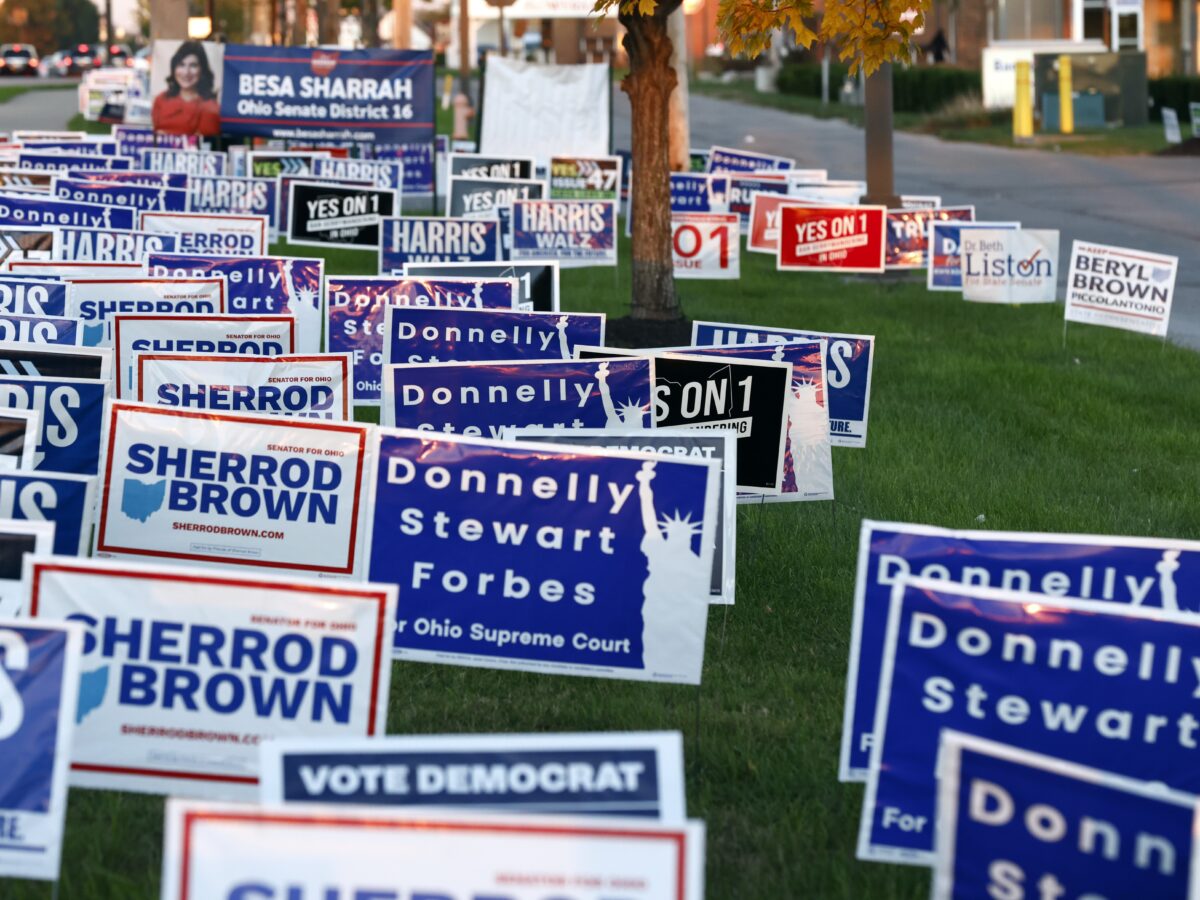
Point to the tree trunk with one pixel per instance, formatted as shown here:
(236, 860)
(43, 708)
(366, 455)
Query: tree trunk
(649, 84)
(370, 23)
(329, 21)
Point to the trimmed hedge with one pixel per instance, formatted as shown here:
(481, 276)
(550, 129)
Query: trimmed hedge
(920, 89)
(1175, 91)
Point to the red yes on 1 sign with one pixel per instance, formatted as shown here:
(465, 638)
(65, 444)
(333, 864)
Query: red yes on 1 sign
(706, 245)
(844, 238)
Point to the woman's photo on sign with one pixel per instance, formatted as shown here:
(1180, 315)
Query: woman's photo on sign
(187, 78)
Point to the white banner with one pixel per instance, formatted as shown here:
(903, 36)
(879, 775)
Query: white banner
(536, 110)
(210, 233)
(97, 300)
(233, 489)
(234, 851)
(186, 671)
(1120, 288)
(306, 387)
(1009, 266)
(706, 245)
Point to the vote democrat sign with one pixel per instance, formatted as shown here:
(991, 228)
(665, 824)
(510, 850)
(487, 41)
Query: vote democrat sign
(316, 94)
(133, 196)
(259, 286)
(66, 501)
(564, 560)
(185, 670)
(232, 489)
(95, 301)
(113, 246)
(944, 255)
(33, 209)
(486, 398)
(57, 159)
(1120, 288)
(845, 238)
(356, 304)
(211, 233)
(71, 410)
(613, 774)
(1100, 684)
(575, 232)
(1150, 572)
(28, 297)
(848, 365)
(242, 335)
(436, 239)
(416, 335)
(213, 850)
(306, 387)
(39, 680)
(744, 188)
(1003, 265)
(1008, 818)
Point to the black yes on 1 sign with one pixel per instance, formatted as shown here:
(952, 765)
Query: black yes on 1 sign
(323, 213)
(747, 397)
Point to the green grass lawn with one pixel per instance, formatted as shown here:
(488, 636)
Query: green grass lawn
(979, 414)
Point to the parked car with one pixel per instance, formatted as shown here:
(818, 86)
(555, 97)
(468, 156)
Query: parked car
(119, 55)
(18, 59)
(55, 65)
(84, 58)
(141, 59)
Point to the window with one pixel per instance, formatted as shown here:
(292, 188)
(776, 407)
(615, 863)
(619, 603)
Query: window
(1028, 20)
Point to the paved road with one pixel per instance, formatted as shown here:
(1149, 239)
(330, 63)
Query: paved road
(1151, 203)
(39, 109)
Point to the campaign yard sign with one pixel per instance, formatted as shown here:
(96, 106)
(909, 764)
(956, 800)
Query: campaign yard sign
(908, 233)
(482, 198)
(944, 269)
(762, 235)
(848, 366)
(32, 209)
(30, 297)
(538, 281)
(1121, 288)
(425, 239)
(428, 335)
(706, 245)
(131, 196)
(581, 561)
(95, 301)
(60, 160)
(219, 334)
(70, 269)
(575, 232)
(24, 358)
(585, 178)
(696, 444)
(485, 398)
(692, 192)
(17, 242)
(41, 329)
(478, 165)
(63, 500)
(608, 774)
(16, 539)
(259, 286)
(185, 671)
(188, 162)
(225, 195)
(71, 411)
(1100, 684)
(112, 246)
(276, 164)
(305, 387)
(219, 234)
(233, 490)
(315, 94)
(1008, 818)
(742, 190)
(39, 683)
(383, 173)
(1150, 572)
(231, 851)
(842, 238)
(154, 179)
(1010, 265)
(356, 305)
(727, 159)
(323, 214)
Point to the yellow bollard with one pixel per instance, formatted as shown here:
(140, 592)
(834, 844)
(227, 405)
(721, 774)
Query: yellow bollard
(1066, 96)
(1023, 104)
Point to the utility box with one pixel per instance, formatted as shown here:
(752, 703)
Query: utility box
(1114, 81)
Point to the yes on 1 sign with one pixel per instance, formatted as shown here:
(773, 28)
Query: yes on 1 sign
(233, 489)
(39, 682)
(240, 852)
(1120, 288)
(844, 238)
(561, 560)
(629, 774)
(706, 245)
(322, 214)
(1011, 821)
(185, 670)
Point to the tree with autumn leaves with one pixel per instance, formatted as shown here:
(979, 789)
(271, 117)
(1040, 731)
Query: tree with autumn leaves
(867, 33)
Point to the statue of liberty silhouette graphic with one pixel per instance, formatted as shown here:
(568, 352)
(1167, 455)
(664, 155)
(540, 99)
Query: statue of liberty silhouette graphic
(808, 437)
(1166, 569)
(675, 577)
(564, 347)
(477, 295)
(630, 414)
